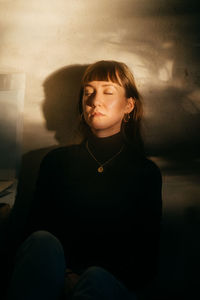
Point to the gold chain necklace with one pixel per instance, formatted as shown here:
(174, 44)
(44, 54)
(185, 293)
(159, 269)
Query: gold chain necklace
(101, 165)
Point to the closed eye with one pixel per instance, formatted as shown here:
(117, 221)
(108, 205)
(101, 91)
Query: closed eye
(108, 91)
(88, 93)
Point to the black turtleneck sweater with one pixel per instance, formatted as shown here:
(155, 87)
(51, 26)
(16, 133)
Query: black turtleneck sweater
(110, 219)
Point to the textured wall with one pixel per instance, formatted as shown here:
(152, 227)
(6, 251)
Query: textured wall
(158, 39)
(52, 41)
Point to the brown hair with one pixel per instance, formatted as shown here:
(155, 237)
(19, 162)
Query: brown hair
(117, 72)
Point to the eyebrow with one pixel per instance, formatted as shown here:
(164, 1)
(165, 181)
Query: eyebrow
(108, 84)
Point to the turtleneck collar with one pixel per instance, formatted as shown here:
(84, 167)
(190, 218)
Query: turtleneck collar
(106, 147)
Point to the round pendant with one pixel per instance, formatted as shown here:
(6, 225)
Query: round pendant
(100, 169)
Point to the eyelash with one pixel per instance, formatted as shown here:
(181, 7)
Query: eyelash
(88, 94)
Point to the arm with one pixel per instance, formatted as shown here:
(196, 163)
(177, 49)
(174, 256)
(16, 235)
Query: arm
(152, 216)
(150, 223)
(41, 208)
(142, 249)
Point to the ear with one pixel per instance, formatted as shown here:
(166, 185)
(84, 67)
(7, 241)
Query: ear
(130, 105)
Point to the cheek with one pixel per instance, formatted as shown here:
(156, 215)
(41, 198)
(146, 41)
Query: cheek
(117, 106)
(84, 108)
(86, 111)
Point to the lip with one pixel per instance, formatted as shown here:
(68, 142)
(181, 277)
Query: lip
(96, 113)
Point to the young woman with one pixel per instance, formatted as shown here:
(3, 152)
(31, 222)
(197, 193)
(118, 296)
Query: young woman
(96, 215)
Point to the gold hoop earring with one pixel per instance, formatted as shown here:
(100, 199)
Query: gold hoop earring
(126, 118)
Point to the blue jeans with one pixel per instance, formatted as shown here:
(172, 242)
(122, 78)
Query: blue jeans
(39, 273)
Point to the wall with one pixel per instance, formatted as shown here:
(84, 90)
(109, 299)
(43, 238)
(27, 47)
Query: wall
(52, 41)
(157, 39)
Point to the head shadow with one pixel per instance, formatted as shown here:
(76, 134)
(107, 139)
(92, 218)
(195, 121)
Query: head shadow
(60, 106)
(60, 109)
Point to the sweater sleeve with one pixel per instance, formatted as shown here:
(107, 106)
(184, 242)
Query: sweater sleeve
(41, 210)
(143, 249)
(151, 226)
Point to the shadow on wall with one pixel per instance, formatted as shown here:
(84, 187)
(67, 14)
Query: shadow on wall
(171, 129)
(60, 108)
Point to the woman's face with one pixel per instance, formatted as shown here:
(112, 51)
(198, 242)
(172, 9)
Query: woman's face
(104, 105)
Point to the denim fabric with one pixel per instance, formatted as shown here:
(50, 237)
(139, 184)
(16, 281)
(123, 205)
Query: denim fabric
(39, 273)
(97, 283)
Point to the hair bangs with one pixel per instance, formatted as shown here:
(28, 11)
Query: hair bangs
(101, 71)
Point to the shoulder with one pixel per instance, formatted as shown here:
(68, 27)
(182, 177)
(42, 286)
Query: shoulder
(61, 154)
(152, 178)
(151, 171)
(145, 168)
(142, 163)
(62, 151)
(150, 166)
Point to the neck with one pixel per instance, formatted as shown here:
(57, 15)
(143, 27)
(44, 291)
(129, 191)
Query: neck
(104, 134)
(105, 147)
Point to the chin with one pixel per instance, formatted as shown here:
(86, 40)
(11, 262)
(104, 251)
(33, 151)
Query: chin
(98, 125)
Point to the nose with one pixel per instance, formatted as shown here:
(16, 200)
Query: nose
(96, 99)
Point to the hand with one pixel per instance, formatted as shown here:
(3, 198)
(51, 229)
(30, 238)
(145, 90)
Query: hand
(70, 281)
(73, 278)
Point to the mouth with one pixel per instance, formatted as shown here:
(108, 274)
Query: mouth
(96, 114)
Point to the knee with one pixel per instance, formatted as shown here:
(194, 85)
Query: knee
(43, 237)
(43, 242)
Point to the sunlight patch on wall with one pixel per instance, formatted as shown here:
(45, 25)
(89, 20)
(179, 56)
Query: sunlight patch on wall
(12, 86)
(165, 72)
